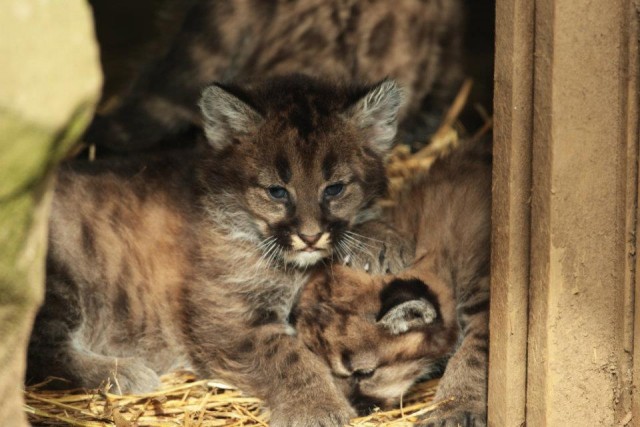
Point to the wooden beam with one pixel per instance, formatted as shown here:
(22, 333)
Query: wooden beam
(633, 215)
(581, 290)
(565, 289)
(513, 114)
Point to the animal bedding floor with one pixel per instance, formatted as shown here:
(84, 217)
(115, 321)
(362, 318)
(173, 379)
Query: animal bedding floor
(185, 401)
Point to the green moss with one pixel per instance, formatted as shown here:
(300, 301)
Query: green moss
(28, 155)
(29, 151)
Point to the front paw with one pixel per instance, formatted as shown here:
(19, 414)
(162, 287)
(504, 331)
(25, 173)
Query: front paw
(380, 251)
(312, 412)
(132, 376)
(127, 375)
(455, 417)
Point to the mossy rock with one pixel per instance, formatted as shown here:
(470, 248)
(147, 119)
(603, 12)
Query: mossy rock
(49, 83)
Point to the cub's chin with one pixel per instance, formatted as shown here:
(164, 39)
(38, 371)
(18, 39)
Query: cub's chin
(305, 258)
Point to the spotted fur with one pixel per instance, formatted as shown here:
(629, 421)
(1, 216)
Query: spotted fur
(195, 258)
(439, 304)
(415, 42)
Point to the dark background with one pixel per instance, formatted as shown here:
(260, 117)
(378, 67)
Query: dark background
(132, 33)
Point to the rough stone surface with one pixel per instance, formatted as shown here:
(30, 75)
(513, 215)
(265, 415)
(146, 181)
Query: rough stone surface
(49, 82)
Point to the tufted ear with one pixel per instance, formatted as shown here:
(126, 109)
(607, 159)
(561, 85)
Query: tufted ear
(408, 315)
(407, 305)
(226, 116)
(376, 114)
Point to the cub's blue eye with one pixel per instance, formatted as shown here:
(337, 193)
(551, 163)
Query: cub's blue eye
(278, 192)
(333, 190)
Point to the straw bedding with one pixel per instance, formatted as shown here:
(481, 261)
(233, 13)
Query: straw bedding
(184, 400)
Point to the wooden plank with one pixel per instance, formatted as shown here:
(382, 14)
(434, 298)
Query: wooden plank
(511, 215)
(633, 215)
(579, 307)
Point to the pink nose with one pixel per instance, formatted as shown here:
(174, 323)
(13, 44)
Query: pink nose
(310, 239)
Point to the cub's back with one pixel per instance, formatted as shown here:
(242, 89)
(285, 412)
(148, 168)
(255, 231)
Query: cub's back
(120, 241)
(449, 213)
(107, 216)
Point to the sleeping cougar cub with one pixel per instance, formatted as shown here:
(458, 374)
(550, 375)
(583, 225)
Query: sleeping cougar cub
(379, 334)
(196, 259)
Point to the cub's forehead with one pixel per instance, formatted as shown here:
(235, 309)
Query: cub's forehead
(306, 112)
(277, 134)
(289, 156)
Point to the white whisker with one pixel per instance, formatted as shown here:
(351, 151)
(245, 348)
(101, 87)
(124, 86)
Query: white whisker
(354, 234)
(356, 246)
(359, 243)
(269, 255)
(266, 242)
(274, 256)
(344, 249)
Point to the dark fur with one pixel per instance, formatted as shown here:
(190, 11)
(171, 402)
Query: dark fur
(413, 41)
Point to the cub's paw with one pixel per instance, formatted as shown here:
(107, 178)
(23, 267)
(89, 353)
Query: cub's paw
(454, 418)
(314, 413)
(132, 376)
(382, 250)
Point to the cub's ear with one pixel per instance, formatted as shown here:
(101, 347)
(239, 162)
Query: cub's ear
(226, 116)
(376, 114)
(407, 305)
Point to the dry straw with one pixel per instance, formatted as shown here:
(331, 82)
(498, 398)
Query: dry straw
(183, 400)
(405, 166)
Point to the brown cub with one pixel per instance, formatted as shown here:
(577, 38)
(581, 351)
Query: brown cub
(195, 259)
(415, 42)
(379, 334)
